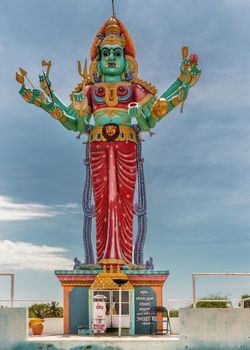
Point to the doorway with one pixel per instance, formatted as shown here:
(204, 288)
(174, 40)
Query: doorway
(112, 305)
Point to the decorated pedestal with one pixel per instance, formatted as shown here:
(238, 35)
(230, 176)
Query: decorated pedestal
(141, 291)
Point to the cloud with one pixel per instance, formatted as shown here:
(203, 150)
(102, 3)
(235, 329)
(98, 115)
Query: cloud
(12, 211)
(27, 256)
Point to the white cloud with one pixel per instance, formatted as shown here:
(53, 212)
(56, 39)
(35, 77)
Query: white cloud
(12, 211)
(27, 256)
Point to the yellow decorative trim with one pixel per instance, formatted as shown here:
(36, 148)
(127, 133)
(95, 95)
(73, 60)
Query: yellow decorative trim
(111, 95)
(148, 86)
(145, 99)
(111, 261)
(126, 134)
(106, 279)
(147, 283)
(108, 84)
(113, 109)
(113, 40)
(127, 286)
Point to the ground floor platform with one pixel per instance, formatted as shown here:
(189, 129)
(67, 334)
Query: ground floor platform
(68, 342)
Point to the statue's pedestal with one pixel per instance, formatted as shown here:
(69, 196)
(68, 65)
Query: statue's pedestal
(140, 291)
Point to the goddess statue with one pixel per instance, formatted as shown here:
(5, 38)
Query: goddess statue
(114, 94)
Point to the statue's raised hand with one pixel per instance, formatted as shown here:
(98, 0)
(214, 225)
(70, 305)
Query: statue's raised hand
(183, 91)
(56, 112)
(39, 97)
(134, 110)
(45, 84)
(189, 70)
(195, 72)
(80, 103)
(26, 94)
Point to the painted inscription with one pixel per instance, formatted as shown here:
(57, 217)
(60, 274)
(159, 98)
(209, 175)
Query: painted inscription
(145, 299)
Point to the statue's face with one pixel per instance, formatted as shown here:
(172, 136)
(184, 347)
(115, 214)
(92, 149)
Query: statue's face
(112, 60)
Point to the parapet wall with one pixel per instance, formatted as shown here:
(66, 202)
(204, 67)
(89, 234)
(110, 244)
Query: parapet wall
(13, 327)
(215, 328)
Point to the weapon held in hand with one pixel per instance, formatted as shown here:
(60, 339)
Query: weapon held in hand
(49, 89)
(48, 65)
(24, 75)
(84, 75)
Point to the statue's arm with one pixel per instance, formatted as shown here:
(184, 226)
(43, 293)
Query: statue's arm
(175, 94)
(74, 117)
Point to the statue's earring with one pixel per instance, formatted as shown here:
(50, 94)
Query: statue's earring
(99, 71)
(126, 69)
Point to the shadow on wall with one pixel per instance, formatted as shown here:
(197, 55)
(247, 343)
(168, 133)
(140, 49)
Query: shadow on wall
(40, 346)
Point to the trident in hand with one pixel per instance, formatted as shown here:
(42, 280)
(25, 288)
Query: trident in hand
(83, 73)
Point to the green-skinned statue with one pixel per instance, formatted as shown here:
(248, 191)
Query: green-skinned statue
(114, 94)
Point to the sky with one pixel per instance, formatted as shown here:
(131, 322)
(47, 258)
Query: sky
(197, 165)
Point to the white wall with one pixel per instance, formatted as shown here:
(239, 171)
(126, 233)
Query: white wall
(174, 323)
(215, 328)
(52, 326)
(13, 327)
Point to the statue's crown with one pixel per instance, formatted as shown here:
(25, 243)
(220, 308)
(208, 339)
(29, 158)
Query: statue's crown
(113, 32)
(112, 27)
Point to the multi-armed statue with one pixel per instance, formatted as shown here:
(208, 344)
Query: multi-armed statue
(113, 93)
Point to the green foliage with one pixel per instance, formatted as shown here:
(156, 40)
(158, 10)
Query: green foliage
(46, 310)
(174, 313)
(218, 303)
(247, 302)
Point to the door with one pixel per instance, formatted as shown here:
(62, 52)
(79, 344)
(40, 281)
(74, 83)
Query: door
(112, 320)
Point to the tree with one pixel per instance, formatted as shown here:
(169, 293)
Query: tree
(54, 310)
(46, 310)
(174, 313)
(218, 303)
(247, 302)
(38, 310)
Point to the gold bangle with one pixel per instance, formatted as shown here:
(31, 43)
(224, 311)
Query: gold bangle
(175, 101)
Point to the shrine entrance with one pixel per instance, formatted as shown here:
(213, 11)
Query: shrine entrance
(112, 306)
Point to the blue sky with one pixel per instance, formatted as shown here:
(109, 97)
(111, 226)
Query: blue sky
(197, 165)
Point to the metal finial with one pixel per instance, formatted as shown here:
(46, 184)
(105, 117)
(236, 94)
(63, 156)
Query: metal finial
(113, 7)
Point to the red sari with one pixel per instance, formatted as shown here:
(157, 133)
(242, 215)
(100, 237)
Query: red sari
(113, 168)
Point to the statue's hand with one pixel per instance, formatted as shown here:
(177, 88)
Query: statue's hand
(185, 67)
(183, 92)
(39, 97)
(45, 83)
(26, 94)
(80, 103)
(134, 110)
(195, 71)
(189, 69)
(55, 112)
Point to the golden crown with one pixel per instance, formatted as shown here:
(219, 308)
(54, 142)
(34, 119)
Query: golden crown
(113, 40)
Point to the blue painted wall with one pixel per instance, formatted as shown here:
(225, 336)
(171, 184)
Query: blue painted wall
(145, 298)
(78, 309)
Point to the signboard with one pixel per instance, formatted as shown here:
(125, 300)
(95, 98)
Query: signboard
(145, 298)
(99, 314)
